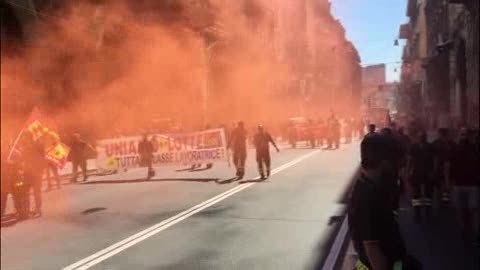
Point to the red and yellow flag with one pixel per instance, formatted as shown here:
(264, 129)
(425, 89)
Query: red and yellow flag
(58, 154)
(44, 131)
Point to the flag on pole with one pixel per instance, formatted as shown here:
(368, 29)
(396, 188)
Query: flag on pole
(58, 154)
(44, 130)
(39, 125)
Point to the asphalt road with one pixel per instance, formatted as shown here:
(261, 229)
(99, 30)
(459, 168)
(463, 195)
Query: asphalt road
(281, 223)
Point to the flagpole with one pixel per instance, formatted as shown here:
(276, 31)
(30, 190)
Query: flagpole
(15, 144)
(34, 110)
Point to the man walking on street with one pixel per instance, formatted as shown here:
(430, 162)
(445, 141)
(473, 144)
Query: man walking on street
(375, 232)
(145, 150)
(333, 132)
(238, 143)
(78, 155)
(262, 140)
(466, 183)
(442, 148)
(419, 173)
(33, 157)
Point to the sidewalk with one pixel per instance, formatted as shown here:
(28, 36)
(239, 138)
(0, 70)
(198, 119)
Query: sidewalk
(436, 243)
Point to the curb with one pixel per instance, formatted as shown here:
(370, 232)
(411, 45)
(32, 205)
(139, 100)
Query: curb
(337, 247)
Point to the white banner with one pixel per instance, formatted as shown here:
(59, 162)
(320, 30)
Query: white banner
(207, 146)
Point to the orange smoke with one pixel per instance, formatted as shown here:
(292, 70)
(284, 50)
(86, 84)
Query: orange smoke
(100, 72)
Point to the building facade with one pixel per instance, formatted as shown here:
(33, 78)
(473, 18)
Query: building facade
(440, 62)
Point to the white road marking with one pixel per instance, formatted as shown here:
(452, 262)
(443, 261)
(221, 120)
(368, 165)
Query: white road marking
(155, 229)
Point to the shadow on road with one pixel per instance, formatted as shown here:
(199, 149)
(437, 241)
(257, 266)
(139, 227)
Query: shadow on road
(12, 219)
(203, 180)
(252, 181)
(201, 169)
(93, 210)
(227, 181)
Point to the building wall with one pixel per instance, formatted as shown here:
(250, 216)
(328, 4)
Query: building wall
(448, 60)
(472, 56)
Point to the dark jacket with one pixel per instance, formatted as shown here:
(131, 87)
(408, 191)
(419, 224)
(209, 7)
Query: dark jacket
(238, 140)
(80, 150)
(145, 148)
(262, 142)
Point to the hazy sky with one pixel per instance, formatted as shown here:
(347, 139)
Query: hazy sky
(372, 25)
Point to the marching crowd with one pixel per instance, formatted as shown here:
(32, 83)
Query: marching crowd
(325, 132)
(24, 169)
(396, 163)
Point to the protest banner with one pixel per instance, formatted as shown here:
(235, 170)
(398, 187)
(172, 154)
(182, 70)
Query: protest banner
(207, 146)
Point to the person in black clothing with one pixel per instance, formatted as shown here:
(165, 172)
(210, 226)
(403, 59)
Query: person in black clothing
(419, 172)
(238, 141)
(33, 158)
(405, 143)
(13, 182)
(333, 132)
(322, 132)
(394, 156)
(261, 140)
(336, 132)
(145, 150)
(79, 151)
(442, 147)
(404, 140)
(310, 133)
(292, 135)
(375, 232)
(466, 183)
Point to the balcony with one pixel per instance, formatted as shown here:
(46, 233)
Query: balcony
(405, 31)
